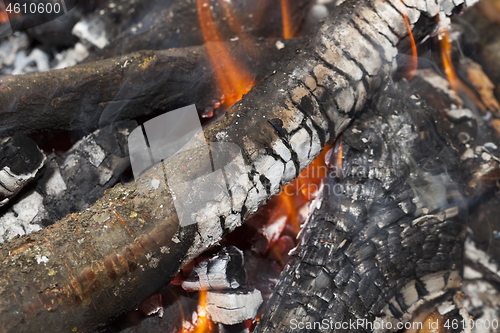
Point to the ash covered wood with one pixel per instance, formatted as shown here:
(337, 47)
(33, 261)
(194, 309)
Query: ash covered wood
(231, 307)
(70, 183)
(387, 234)
(224, 270)
(103, 261)
(20, 160)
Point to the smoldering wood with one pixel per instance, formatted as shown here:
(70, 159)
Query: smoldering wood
(20, 160)
(69, 183)
(74, 181)
(103, 261)
(96, 94)
(392, 217)
(223, 271)
(474, 137)
(233, 306)
(178, 307)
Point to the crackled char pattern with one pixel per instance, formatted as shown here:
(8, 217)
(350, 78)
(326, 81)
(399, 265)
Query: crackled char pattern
(385, 237)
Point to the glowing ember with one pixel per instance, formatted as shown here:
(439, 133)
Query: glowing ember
(202, 324)
(233, 79)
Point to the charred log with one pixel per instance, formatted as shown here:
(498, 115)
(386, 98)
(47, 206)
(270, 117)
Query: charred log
(105, 260)
(386, 233)
(96, 94)
(20, 160)
(177, 24)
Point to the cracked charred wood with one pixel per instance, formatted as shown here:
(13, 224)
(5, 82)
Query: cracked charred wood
(20, 160)
(105, 260)
(473, 134)
(96, 94)
(79, 178)
(224, 270)
(387, 234)
(70, 183)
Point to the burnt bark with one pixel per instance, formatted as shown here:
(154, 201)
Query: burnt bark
(386, 225)
(103, 261)
(96, 94)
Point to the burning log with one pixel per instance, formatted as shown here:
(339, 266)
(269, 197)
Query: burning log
(162, 28)
(103, 261)
(96, 94)
(387, 234)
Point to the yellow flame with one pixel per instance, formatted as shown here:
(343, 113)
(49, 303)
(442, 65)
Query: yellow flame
(203, 324)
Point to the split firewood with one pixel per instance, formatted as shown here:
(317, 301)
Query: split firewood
(96, 94)
(20, 160)
(387, 234)
(105, 260)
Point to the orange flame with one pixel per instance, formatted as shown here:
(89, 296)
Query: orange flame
(287, 26)
(203, 324)
(4, 17)
(233, 79)
(445, 43)
(414, 60)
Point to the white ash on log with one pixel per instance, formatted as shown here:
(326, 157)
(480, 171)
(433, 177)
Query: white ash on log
(231, 307)
(133, 233)
(76, 180)
(69, 183)
(386, 235)
(20, 160)
(224, 270)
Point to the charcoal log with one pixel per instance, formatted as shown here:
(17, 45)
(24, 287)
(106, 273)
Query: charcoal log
(105, 260)
(70, 183)
(387, 234)
(175, 24)
(223, 271)
(20, 160)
